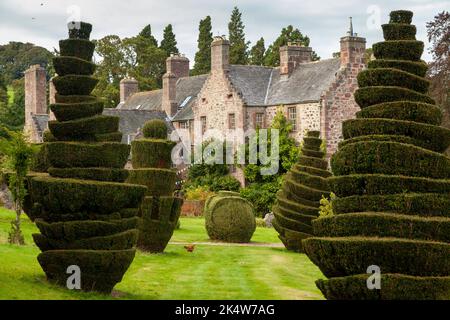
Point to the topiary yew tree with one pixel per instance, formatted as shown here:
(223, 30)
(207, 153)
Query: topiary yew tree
(152, 162)
(86, 215)
(298, 202)
(392, 183)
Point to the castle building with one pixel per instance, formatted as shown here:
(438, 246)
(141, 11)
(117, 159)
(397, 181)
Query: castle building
(313, 95)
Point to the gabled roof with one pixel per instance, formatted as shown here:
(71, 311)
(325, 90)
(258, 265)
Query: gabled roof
(148, 100)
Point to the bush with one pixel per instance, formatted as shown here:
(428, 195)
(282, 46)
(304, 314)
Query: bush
(399, 31)
(326, 207)
(71, 65)
(201, 193)
(152, 153)
(74, 111)
(159, 182)
(84, 129)
(262, 196)
(417, 68)
(79, 48)
(99, 174)
(366, 97)
(401, 16)
(83, 32)
(399, 49)
(155, 129)
(75, 84)
(230, 219)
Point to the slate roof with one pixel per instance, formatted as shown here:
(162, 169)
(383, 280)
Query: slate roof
(131, 121)
(40, 123)
(148, 100)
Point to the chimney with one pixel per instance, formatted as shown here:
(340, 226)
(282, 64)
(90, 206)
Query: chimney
(128, 87)
(35, 93)
(353, 48)
(220, 55)
(292, 55)
(51, 97)
(177, 67)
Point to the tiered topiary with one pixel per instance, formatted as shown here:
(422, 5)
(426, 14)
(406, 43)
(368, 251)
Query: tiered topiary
(230, 218)
(392, 183)
(299, 200)
(152, 162)
(86, 215)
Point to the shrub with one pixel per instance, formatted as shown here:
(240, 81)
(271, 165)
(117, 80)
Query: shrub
(99, 174)
(262, 196)
(73, 111)
(84, 129)
(74, 84)
(72, 65)
(79, 30)
(230, 219)
(152, 153)
(326, 207)
(159, 182)
(155, 129)
(392, 184)
(79, 48)
(299, 200)
(198, 193)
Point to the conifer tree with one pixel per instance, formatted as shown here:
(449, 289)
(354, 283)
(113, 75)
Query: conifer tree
(238, 45)
(169, 42)
(257, 53)
(147, 33)
(203, 55)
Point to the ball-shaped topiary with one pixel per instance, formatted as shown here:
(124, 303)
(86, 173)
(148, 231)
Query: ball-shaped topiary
(155, 129)
(298, 201)
(392, 184)
(160, 211)
(86, 215)
(229, 218)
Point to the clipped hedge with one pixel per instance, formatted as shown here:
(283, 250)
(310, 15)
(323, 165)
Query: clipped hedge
(84, 129)
(74, 84)
(101, 269)
(401, 16)
(79, 30)
(374, 157)
(394, 78)
(152, 153)
(73, 65)
(399, 49)
(417, 68)
(423, 204)
(74, 111)
(155, 129)
(230, 219)
(386, 225)
(399, 31)
(434, 137)
(392, 255)
(75, 98)
(404, 110)
(159, 182)
(394, 287)
(84, 155)
(380, 184)
(99, 174)
(79, 48)
(388, 138)
(366, 97)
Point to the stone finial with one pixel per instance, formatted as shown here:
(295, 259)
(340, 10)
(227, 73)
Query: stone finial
(353, 48)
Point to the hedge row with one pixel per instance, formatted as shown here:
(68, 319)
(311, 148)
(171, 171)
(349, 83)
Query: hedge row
(75, 84)
(159, 219)
(150, 153)
(373, 184)
(392, 77)
(93, 265)
(374, 157)
(99, 174)
(399, 49)
(119, 241)
(404, 110)
(74, 111)
(75, 230)
(436, 138)
(356, 254)
(418, 68)
(63, 196)
(423, 204)
(394, 287)
(366, 97)
(84, 129)
(108, 137)
(384, 225)
(72, 65)
(159, 182)
(79, 48)
(399, 31)
(84, 155)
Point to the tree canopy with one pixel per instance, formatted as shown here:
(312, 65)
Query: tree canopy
(203, 55)
(238, 45)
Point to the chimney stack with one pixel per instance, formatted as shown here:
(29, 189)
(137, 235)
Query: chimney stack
(220, 55)
(35, 93)
(177, 67)
(292, 55)
(353, 48)
(128, 87)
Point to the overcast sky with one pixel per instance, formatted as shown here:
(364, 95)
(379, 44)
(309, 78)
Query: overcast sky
(42, 22)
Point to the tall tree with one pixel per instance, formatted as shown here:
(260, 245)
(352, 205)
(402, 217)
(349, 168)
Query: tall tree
(257, 53)
(238, 45)
(169, 42)
(203, 55)
(12, 113)
(288, 34)
(147, 33)
(439, 71)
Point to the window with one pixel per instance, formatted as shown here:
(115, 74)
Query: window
(232, 121)
(184, 125)
(203, 121)
(292, 117)
(259, 121)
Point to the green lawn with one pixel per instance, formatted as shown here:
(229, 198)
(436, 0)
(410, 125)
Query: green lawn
(10, 94)
(211, 272)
